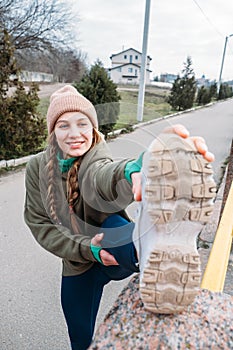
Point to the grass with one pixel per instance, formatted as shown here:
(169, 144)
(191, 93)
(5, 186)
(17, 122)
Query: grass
(43, 106)
(155, 105)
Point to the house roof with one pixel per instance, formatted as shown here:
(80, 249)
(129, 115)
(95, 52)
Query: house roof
(126, 51)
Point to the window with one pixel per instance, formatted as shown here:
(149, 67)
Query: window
(119, 69)
(125, 57)
(136, 57)
(130, 70)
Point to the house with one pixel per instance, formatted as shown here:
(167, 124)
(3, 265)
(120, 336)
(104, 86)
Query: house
(168, 77)
(126, 67)
(203, 81)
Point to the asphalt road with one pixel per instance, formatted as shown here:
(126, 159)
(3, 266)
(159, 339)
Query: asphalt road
(31, 317)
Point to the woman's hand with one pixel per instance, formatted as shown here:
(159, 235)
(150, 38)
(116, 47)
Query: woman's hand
(106, 258)
(199, 142)
(180, 130)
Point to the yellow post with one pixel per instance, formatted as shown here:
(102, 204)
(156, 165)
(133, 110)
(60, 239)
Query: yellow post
(215, 272)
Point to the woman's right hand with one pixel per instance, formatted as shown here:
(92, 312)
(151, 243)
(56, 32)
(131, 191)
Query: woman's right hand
(106, 258)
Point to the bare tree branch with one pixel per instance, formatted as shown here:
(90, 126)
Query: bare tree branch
(37, 23)
(43, 35)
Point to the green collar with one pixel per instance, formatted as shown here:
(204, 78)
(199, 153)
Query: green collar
(65, 164)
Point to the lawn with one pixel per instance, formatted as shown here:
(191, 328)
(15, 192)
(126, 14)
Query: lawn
(155, 105)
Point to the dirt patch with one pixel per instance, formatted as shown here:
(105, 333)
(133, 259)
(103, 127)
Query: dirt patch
(45, 89)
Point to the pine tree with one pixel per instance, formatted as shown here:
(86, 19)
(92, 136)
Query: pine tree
(184, 88)
(225, 91)
(203, 96)
(102, 92)
(22, 129)
(213, 90)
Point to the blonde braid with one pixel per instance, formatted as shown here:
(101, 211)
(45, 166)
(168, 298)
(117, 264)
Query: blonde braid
(51, 167)
(72, 183)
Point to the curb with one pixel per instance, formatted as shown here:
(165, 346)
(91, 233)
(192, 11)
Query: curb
(15, 162)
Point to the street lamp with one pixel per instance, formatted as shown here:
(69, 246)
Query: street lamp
(223, 57)
(141, 92)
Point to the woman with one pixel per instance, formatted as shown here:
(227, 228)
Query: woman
(76, 197)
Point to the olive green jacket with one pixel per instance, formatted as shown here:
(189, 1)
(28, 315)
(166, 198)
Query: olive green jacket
(103, 192)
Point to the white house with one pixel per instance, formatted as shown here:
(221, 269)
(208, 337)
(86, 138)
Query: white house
(126, 67)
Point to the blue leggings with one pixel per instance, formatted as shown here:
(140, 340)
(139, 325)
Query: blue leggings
(81, 294)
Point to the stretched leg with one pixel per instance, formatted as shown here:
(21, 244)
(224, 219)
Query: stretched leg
(177, 200)
(118, 241)
(80, 298)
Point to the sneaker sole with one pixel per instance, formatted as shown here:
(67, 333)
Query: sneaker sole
(172, 275)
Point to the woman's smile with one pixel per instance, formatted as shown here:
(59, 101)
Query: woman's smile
(76, 144)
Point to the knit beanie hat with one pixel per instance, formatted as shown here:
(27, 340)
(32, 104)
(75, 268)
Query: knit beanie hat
(68, 99)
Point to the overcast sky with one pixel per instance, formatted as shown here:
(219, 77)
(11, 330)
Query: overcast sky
(178, 28)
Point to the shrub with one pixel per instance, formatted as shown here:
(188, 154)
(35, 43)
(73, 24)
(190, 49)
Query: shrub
(22, 128)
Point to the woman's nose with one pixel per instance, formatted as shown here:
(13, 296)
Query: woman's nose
(74, 131)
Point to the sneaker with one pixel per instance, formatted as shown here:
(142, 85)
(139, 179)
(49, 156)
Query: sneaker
(178, 191)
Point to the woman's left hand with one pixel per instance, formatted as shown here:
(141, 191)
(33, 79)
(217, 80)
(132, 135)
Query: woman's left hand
(180, 130)
(106, 258)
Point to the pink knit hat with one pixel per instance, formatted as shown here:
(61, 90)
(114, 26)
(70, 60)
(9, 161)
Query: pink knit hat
(68, 99)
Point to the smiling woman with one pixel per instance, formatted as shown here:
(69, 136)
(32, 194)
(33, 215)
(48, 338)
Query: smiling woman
(76, 200)
(74, 132)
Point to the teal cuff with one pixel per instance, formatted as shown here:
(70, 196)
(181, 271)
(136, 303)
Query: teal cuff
(96, 252)
(133, 166)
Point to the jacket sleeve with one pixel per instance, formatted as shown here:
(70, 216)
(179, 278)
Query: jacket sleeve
(56, 239)
(105, 187)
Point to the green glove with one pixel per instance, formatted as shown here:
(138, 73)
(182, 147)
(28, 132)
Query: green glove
(96, 252)
(133, 166)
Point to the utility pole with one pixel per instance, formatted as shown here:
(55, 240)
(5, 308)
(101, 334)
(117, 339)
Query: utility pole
(223, 58)
(141, 92)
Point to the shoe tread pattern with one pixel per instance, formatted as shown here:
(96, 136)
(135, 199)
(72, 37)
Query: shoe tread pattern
(169, 176)
(179, 187)
(170, 281)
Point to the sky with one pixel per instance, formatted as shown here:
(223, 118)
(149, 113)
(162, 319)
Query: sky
(177, 29)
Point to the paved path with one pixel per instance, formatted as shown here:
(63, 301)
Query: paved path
(31, 318)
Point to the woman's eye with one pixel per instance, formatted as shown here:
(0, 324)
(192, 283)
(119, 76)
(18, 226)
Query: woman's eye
(82, 125)
(63, 126)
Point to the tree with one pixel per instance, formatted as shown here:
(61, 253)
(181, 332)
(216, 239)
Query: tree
(184, 88)
(38, 24)
(203, 96)
(102, 92)
(206, 94)
(213, 90)
(22, 129)
(225, 91)
(43, 34)
(65, 65)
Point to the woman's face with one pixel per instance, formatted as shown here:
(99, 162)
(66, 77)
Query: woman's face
(74, 132)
